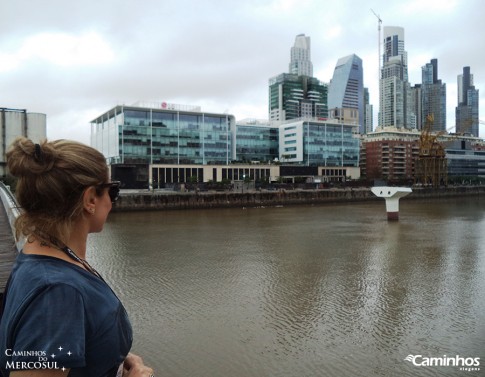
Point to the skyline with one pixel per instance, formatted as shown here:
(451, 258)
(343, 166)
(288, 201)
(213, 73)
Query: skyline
(78, 60)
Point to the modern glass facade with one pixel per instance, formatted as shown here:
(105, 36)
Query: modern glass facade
(330, 145)
(346, 90)
(292, 97)
(318, 143)
(433, 96)
(393, 83)
(468, 104)
(256, 142)
(128, 134)
(467, 163)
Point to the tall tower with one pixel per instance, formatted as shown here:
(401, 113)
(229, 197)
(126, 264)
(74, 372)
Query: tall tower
(368, 112)
(292, 96)
(300, 60)
(433, 96)
(393, 84)
(346, 89)
(466, 112)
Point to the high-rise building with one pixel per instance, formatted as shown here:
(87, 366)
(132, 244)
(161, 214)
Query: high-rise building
(368, 112)
(297, 94)
(433, 97)
(300, 60)
(292, 96)
(415, 104)
(346, 89)
(466, 112)
(393, 84)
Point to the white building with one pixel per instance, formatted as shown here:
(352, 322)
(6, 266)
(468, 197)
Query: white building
(15, 123)
(319, 143)
(394, 85)
(300, 60)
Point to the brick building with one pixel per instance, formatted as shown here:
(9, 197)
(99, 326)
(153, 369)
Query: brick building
(389, 153)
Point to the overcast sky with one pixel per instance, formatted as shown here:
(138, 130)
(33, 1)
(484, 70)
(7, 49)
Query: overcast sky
(74, 60)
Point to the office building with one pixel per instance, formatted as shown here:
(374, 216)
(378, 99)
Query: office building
(368, 113)
(19, 122)
(415, 105)
(163, 133)
(132, 138)
(433, 97)
(393, 83)
(300, 57)
(465, 160)
(292, 97)
(466, 113)
(346, 89)
(256, 141)
(319, 143)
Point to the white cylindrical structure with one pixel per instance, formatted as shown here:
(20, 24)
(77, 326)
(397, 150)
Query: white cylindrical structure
(392, 196)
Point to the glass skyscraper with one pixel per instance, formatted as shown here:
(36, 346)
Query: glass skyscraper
(292, 97)
(297, 94)
(468, 99)
(433, 96)
(346, 89)
(393, 84)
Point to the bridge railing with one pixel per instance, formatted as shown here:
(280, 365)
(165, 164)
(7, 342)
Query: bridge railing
(12, 209)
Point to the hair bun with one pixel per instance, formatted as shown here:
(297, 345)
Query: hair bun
(24, 157)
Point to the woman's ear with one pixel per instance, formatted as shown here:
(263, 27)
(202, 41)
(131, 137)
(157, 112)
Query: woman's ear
(89, 199)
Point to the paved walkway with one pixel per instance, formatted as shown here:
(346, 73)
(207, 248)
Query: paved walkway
(8, 250)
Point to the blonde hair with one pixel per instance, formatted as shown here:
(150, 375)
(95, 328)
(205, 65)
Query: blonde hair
(52, 177)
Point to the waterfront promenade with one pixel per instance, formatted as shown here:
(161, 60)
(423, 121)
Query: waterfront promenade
(133, 200)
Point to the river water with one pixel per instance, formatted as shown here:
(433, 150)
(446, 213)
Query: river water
(331, 290)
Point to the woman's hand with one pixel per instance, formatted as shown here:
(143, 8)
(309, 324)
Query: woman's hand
(133, 367)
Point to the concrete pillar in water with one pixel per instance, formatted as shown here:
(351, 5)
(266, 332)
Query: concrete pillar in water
(392, 196)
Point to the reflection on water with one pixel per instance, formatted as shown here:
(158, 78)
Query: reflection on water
(330, 290)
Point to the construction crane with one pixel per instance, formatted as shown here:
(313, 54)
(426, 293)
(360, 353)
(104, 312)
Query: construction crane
(431, 165)
(379, 23)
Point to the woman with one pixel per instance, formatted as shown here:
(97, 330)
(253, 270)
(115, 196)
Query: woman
(60, 317)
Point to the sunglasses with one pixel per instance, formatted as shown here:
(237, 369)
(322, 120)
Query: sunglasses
(114, 189)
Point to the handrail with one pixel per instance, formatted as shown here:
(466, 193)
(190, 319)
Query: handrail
(12, 209)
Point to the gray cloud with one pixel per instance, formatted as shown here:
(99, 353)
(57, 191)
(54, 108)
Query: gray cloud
(217, 54)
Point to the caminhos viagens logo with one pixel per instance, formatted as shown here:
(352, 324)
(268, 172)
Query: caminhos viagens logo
(467, 364)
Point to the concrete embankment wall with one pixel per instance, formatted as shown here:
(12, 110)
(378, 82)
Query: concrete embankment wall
(144, 201)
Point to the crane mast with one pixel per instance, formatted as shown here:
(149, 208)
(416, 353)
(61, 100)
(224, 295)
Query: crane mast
(379, 22)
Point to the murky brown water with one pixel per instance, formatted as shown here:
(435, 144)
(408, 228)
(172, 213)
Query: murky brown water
(301, 291)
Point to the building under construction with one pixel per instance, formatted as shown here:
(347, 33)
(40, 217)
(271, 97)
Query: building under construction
(431, 165)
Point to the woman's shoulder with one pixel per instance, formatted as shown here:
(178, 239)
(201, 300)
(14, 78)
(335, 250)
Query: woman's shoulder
(34, 273)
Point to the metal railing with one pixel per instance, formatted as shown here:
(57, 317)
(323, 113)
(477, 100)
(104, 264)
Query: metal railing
(12, 210)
